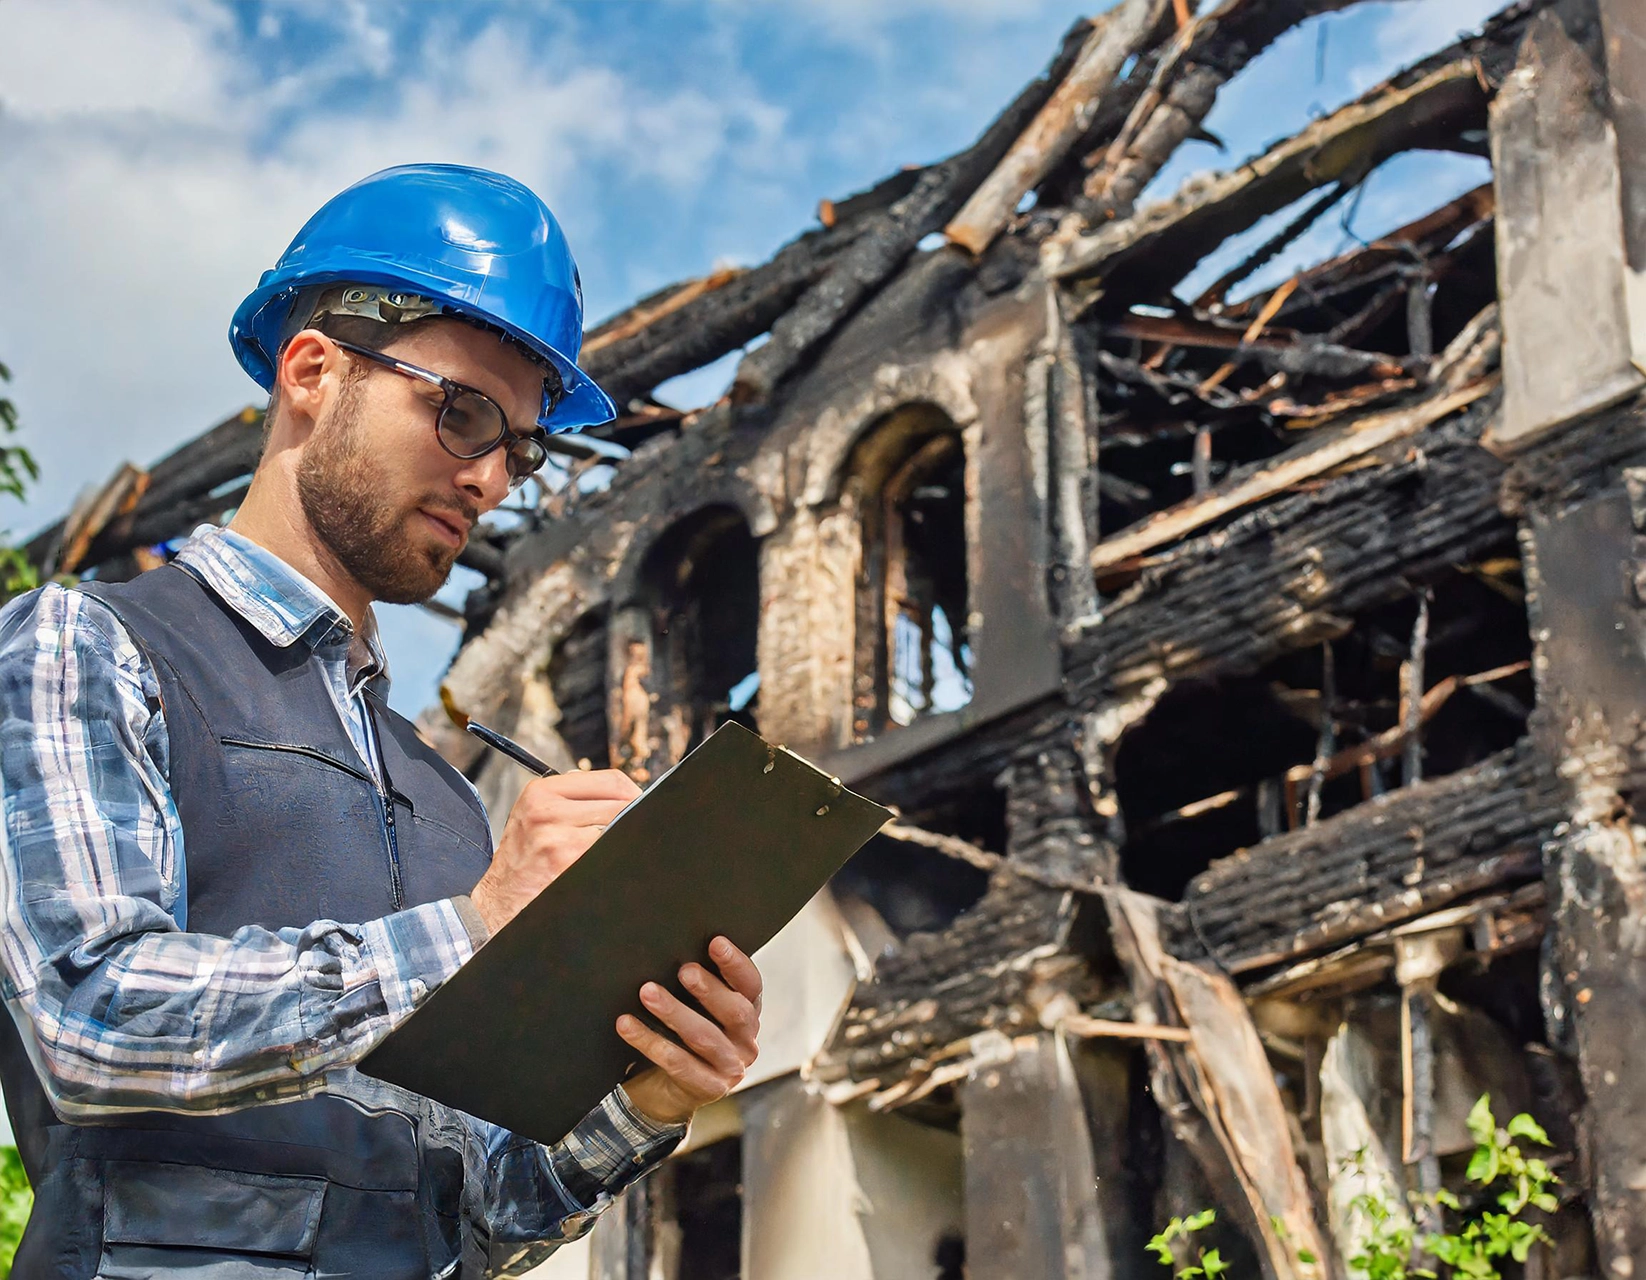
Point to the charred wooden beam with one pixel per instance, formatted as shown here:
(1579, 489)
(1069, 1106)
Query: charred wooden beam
(1209, 53)
(716, 321)
(1148, 253)
(1434, 103)
(1400, 855)
(1306, 462)
(1120, 34)
(1288, 573)
(1273, 247)
(649, 310)
(694, 322)
(887, 239)
(228, 452)
(1217, 1091)
(984, 965)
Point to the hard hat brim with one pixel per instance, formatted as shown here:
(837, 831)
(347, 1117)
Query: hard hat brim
(254, 333)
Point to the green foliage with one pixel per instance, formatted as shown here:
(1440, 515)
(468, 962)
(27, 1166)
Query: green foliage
(17, 468)
(17, 575)
(16, 1199)
(1208, 1264)
(1483, 1237)
(17, 465)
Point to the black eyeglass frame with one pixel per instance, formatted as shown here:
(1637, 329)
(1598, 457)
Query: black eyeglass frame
(535, 451)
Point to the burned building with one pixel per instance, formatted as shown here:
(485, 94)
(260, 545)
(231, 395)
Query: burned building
(1257, 674)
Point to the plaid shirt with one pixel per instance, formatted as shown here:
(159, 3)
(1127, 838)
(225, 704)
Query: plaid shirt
(123, 1009)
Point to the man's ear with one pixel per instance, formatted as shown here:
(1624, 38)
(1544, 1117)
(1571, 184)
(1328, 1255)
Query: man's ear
(309, 369)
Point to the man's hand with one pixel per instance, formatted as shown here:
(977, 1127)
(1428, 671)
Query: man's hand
(716, 1053)
(550, 827)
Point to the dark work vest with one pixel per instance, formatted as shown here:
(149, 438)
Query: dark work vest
(282, 826)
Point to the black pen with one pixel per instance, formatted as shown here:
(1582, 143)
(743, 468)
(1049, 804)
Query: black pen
(512, 749)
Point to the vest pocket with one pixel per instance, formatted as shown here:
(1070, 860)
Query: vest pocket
(208, 1224)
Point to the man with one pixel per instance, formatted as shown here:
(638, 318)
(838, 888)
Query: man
(229, 869)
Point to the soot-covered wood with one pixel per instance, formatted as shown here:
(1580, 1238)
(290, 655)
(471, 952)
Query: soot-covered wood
(1372, 866)
(1287, 573)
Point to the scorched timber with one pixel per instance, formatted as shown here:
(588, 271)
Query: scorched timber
(943, 987)
(889, 238)
(1400, 855)
(1432, 103)
(1218, 47)
(1284, 574)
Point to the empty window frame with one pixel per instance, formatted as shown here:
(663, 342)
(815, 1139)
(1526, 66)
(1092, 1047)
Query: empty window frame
(907, 480)
(700, 587)
(577, 677)
(1219, 765)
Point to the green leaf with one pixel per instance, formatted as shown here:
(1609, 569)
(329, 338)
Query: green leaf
(1523, 1126)
(1200, 1221)
(16, 1202)
(1546, 1202)
(1481, 1123)
(1307, 1257)
(1483, 1166)
(1212, 1264)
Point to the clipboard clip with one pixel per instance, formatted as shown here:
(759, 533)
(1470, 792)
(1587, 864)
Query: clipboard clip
(834, 790)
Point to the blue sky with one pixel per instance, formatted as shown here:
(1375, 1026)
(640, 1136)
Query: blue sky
(155, 157)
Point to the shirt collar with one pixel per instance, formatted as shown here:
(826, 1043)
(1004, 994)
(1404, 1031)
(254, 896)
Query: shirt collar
(278, 600)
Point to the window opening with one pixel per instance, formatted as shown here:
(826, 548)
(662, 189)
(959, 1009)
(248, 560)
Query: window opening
(701, 586)
(577, 677)
(907, 478)
(1219, 765)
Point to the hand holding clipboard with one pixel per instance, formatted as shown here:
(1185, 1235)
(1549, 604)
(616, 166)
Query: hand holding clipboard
(733, 841)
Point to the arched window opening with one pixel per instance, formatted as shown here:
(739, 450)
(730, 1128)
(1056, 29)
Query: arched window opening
(577, 676)
(1421, 687)
(907, 480)
(690, 663)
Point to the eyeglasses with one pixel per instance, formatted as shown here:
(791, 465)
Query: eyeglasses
(470, 424)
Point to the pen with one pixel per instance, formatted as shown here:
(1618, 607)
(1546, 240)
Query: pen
(512, 749)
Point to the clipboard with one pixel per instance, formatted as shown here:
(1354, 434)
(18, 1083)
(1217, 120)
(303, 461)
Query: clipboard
(733, 840)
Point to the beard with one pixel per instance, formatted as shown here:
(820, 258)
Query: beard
(339, 485)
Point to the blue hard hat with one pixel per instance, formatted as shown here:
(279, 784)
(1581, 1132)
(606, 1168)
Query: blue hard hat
(475, 243)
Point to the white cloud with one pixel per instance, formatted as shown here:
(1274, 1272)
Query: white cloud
(78, 57)
(142, 199)
(146, 189)
(868, 26)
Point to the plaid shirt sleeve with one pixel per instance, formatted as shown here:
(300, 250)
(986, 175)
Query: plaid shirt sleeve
(120, 1006)
(123, 1009)
(538, 1198)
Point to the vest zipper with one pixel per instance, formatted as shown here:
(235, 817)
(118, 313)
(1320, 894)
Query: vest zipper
(385, 796)
(397, 894)
(396, 891)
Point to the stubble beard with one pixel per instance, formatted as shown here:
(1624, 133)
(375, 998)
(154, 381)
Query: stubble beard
(339, 486)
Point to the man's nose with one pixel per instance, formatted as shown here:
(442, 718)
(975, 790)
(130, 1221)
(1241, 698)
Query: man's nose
(486, 478)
